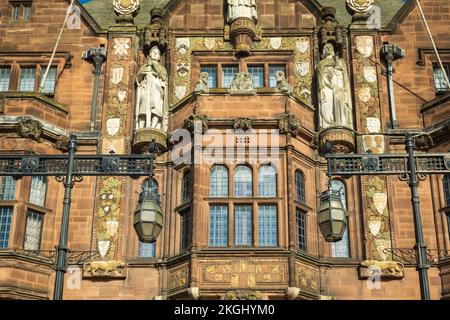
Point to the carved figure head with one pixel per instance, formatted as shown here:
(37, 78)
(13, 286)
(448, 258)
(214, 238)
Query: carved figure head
(328, 50)
(155, 54)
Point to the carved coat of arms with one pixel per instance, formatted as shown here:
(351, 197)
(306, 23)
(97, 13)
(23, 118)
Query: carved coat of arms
(364, 44)
(302, 68)
(275, 43)
(302, 45)
(183, 45)
(113, 126)
(117, 75)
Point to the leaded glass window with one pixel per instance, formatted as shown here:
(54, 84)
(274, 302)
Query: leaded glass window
(218, 186)
(5, 226)
(146, 250)
(33, 231)
(228, 74)
(218, 226)
(212, 75)
(301, 231)
(447, 189)
(7, 188)
(243, 182)
(300, 186)
(272, 72)
(5, 76)
(185, 239)
(186, 188)
(439, 78)
(38, 190)
(267, 181)
(50, 81)
(268, 226)
(257, 73)
(243, 225)
(27, 79)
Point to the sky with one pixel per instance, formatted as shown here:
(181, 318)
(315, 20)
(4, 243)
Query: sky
(84, 1)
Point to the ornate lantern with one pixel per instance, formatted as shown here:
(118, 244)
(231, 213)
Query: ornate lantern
(332, 216)
(148, 217)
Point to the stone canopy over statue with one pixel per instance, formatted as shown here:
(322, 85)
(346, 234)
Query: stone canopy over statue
(335, 101)
(241, 9)
(152, 94)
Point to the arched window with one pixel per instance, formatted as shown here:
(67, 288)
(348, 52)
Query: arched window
(186, 187)
(218, 182)
(447, 189)
(38, 190)
(243, 182)
(341, 248)
(267, 181)
(300, 186)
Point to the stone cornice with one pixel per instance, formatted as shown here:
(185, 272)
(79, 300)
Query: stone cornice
(37, 97)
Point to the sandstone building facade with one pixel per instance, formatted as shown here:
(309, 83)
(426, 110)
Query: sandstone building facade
(235, 227)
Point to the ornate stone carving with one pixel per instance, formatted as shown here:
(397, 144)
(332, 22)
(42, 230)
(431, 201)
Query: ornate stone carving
(242, 83)
(360, 9)
(152, 93)
(126, 9)
(243, 295)
(29, 128)
(337, 140)
(61, 143)
(330, 31)
(178, 278)
(282, 84)
(202, 84)
(241, 9)
(335, 100)
(384, 269)
(195, 119)
(110, 268)
(307, 278)
(287, 123)
(242, 124)
(155, 33)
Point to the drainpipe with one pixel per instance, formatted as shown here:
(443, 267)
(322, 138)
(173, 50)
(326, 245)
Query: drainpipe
(390, 53)
(96, 56)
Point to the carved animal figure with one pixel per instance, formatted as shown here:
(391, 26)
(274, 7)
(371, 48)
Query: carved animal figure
(105, 267)
(391, 267)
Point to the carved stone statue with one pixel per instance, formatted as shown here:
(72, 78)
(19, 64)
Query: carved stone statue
(335, 102)
(152, 93)
(282, 84)
(243, 83)
(202, 84)
(241, 9)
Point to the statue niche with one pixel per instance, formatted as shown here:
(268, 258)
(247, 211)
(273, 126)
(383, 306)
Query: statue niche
(152, 100)
(335, 102)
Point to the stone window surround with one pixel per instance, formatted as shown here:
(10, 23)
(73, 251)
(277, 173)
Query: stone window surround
(21, 4)
(15, 61)
(255, 201)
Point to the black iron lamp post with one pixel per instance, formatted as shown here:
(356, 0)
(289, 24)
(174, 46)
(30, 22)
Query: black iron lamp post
(410, 167)
(148, 217)
(71, 168)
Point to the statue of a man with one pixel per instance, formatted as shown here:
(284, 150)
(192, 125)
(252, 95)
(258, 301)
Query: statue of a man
(335, 101)
(152, 88)
(241, 9)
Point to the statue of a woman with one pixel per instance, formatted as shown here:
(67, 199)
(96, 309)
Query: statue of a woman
(241, 9)
(335, 101)
(152, 88)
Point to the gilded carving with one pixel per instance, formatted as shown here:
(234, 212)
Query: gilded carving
(307, 277)
(385, 269)
(110, 268)
(178, 278)
(243, 295)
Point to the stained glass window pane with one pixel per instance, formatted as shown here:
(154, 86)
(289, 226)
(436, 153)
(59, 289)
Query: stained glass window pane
(212, 75)
(5, 76)
(243, 225)
(257, 72)
(27, 79)
(7, 188)
(268, 226)
(243, 182)
(341, 249)
(228, 74)
(5, 226)
(33, 231)
(218, 226)
(218, 182)
(38, 190)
